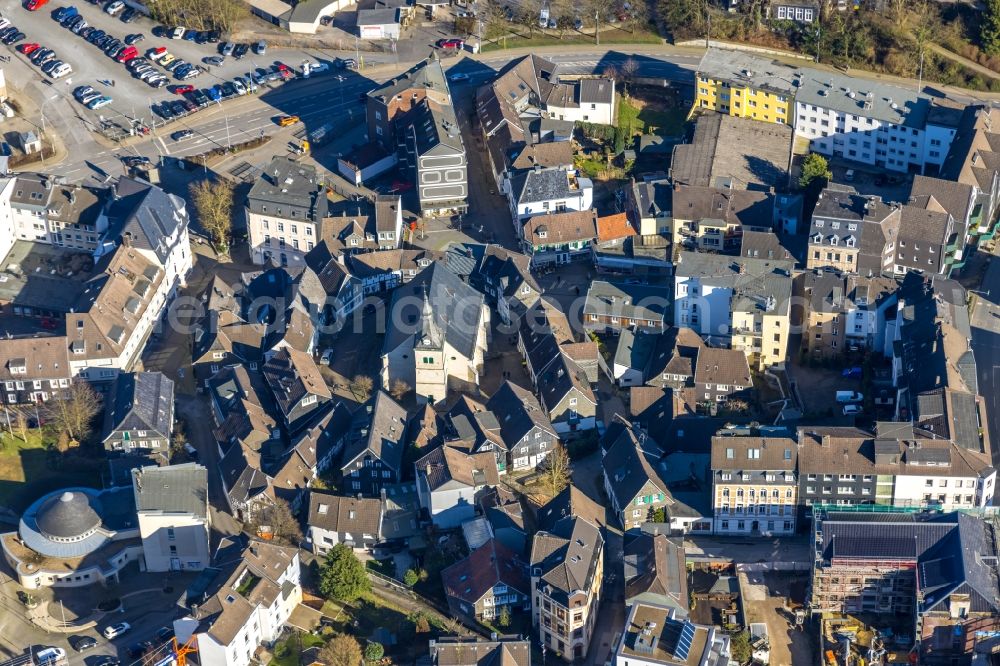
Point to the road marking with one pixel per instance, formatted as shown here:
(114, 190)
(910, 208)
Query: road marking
(163, 145)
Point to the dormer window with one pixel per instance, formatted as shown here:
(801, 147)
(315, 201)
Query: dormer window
(833, 240)
(819, 224)
(849, 241)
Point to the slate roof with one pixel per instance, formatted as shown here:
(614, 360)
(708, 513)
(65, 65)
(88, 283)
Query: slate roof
(630, 463)
(518, 412)
(147, 216)
(738, 207)
(559, 378)
(566, 556)
(753, 281)
(141, 401)
(288, 190)
(659, 570)
(68, 514)
(772, 453)
(456, 310)
(172, 489)
(291, 375)
(491, 564)
(540, 185)
(344, 514)
(571, 502)
(386, 434)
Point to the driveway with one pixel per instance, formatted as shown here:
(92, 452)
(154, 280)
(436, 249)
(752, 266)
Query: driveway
(768, 598)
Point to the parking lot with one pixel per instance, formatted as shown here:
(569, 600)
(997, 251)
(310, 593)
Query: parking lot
(131, 98)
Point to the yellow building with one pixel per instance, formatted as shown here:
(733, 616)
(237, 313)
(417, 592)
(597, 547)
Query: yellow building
(745, 86)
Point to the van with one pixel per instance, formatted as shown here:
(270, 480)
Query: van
(849, 396)
(52, 655)
(852, 410)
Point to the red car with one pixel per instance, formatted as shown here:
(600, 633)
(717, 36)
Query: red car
(451, 43)
(183, 90)
(127, 54)
(35, 5)
(28, 49)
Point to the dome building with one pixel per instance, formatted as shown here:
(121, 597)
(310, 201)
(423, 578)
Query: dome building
(74, 537)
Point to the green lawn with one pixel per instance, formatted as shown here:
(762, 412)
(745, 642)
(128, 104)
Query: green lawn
(649, 120)
(608, 36)
(286, 652)
(29, 469)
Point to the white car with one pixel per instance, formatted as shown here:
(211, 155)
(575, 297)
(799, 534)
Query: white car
(52, 655)
(4, 23)
(178, 32)
(240, 88)
(115, 7)
(850, 410)
(116, 630)
(61, 71)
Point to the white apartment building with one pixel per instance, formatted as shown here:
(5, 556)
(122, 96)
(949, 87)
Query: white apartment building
(249, 610)
(538, 191)
(284, 211)
(586, 100)
(872, 123)
(172, 509)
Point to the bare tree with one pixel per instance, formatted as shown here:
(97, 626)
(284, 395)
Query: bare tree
(362, 386)
(21, 424)
(73, 412)
(342, 650)
(495, 24)
(399, 390)
(278, 521)
(213, 199)
(556, 470)
(530, 15)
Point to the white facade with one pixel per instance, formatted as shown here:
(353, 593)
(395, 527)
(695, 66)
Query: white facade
(284, 241)
(704, 309)
(7, 232)
(950, 492)
(868, 140)
(582, 200)
(448, 507)
(174, 541)
(597, 112)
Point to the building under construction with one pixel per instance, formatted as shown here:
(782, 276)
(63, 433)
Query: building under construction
(937, 569)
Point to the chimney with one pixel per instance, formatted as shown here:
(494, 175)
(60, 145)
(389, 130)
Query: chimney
(427, 469)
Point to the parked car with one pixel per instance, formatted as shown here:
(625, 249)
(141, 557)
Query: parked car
(61, 70)
(239, 87)
(215, 92)
(107, 660)
(99, 103)
(34, 6)
(177, 33)
(183, 89)
(164, 634)
(80, 91)
(157, 53)
(28, 49)
(85, 643)
(227, 48)
(134, 39)
(849, 396)
(240, 50)
(114, 7)
(128, 15)
(116, 630)
(851, 410)
(51, 655)
(14, 38)
(260, 48)
(215, 60)
(452, 43)
(199, 98)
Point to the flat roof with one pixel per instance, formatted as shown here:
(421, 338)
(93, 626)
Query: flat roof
(863, 97)
(748, 70)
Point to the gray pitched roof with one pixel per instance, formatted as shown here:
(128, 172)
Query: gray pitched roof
(518, 412)
(566, 557)
(630, 463)
(627, 301)
(456, 309)
(147, 215)
(289, 190)
(385, 437)
(172, 489)
(141, 401)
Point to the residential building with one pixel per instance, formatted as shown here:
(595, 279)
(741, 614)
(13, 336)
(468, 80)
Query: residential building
(491, 578)
(224, 336)
(34, 369)
(249, 609)
(249, 491)
(657, 359)
(620, 250)
(470, 427)
(567, 572)
(298, 388)
(284, 212)
(764, 245)
(656, 635)
(613, 307)
(345, 292)
(655, 571)
(714, 218)
(505, 277)
(721, 375)
(734, 153)
(352, 521)
(738, 84)
(503, 511)
(872, 123)
(924, 235)
(853, 233)
(46, 209)
(449, 481)
(803, 12)
(936, 569)
(843, 313)
(958, 200)
(525, 428)
(413, 115)
(560, 237)
(754, 487)
(745, 302)
(475, 652)
(649, 206)
(584, 100)
(171, 504)
(973, 162)
(541, 191)
(566, 394)
(139, 416)
(373, 460)
(632, 480)
(437, 335)
(895, 465)
(241, 409)
(382, 271)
